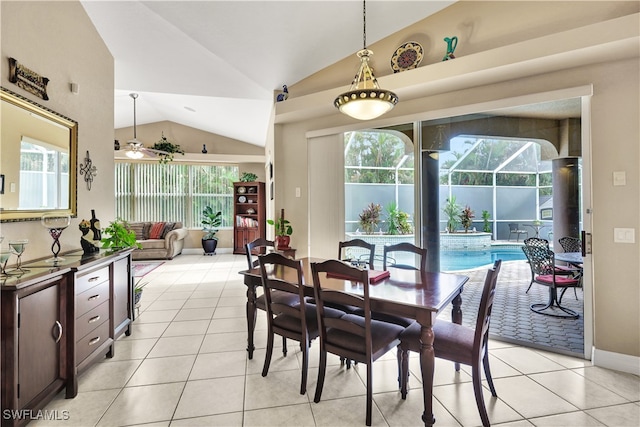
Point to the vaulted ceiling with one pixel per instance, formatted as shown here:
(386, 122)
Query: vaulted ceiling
(214, 65)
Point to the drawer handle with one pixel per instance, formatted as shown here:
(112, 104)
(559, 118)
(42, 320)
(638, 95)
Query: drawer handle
(93, 298)
(94, 319)
(58, 336)
(93, 279)
(94, 340)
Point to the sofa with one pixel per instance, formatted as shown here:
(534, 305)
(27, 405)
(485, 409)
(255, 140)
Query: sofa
(159, 240)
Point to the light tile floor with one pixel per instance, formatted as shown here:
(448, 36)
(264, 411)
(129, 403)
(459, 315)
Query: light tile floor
(185, 364)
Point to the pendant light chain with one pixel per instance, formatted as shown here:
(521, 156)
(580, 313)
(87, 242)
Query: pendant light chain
(364, 24)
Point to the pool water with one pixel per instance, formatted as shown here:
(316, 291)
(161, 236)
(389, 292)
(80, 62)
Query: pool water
(465, 260)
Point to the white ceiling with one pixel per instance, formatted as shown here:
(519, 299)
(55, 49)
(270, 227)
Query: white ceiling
(213, 65)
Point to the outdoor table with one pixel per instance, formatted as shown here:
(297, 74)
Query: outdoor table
(573, 258)
(413, 294)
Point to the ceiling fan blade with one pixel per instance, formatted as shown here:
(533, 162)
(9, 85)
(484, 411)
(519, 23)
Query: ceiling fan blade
(156, 151)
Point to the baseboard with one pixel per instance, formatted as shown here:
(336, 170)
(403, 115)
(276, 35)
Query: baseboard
(616, 361)
(199, 251)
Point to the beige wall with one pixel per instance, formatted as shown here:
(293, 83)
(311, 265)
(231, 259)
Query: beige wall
(44, 36)
(496, 71)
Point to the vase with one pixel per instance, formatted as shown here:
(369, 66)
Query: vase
(282, 242)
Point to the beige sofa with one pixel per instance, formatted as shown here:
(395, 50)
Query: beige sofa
(167, 246)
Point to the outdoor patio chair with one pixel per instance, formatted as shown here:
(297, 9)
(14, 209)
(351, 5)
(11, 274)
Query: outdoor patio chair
(458, 344)
(572, 244)
(364, 259)
(358, 338)
(515, 229)
(543, 265)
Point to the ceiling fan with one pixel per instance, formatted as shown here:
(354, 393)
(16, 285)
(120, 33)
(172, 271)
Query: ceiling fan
(135, 149)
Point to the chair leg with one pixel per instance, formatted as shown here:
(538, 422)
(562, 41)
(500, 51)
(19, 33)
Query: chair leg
(369, 391)
(321, 371)
(476, 378)
(284, 346)
(403, 374)
(305, 366)
(267, 357)
(487, 373)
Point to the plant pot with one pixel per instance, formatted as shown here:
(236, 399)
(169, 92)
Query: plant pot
(282, 242)
(136, 296)
(209, 246)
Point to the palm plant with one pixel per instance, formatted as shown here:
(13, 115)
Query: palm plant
(452, 211)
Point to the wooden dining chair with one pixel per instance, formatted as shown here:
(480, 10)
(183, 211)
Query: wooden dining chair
(253, 249)
(459, 344)
(366, 258)
(546, 273)
(406, 248)
(298, 321)
(354, 337)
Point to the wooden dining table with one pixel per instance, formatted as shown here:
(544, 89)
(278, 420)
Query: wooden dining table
(413, 294)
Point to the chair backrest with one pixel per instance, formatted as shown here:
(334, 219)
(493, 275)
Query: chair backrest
(513, 227)
(407, 248)
(541, 259)
(289, 280)
(570, 244)
(257, 247)
(323, 296)
(481, 335)
(357, 243)
(536, 241)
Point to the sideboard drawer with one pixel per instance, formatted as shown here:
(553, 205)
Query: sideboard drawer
(85, 281)
(92, 298)
(90, 342)
(92, 319)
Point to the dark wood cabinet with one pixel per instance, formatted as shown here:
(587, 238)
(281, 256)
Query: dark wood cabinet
(249, 212)
(57, 322)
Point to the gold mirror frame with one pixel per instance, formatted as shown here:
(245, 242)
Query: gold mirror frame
(58, 120)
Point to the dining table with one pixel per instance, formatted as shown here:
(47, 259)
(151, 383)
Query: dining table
(573, 258)
(418, 295)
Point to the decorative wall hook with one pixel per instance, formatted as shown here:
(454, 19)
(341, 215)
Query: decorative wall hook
(88, 170)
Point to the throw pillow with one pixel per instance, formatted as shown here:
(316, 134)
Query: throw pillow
(137, 228)
(167, 228)
(146, 230)
(156, 230)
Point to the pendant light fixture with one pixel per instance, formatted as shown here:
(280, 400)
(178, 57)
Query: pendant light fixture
(365, 100)
(134, 152)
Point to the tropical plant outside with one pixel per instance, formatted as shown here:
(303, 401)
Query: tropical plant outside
(466, 218)
(452, 211)
(397, 220)
(486, 216)
(370, 217)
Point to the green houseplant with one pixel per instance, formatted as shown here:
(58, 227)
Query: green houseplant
(168, 147)
(118, 236)
(248, 177)
(369, 218)
(283, 231)
(452, 211)
(210, 222)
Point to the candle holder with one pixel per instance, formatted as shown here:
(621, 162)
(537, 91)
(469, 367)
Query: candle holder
(18, 247)
(56, 224)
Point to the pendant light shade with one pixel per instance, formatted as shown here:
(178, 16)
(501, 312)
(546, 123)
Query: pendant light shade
(365, 100)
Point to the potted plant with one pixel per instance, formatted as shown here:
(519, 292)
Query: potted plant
(397, 220)
(210, 222)
(137, 290)
(283, 231)
(370, 217)
(485, 222)
(118, 236)
(451, 210)
(466, 218)
(248, 177)
(168, 147)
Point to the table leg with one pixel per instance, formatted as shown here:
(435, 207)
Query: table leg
(427, 367)
(251, 317)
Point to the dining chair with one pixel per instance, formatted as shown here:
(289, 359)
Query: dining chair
(560, 269)
(515, 229)
(570, 244)
(366, 258)
(257, 247)
(406, 248)
(298, 321)
(543, 264)
(459, 344)
(358, 338)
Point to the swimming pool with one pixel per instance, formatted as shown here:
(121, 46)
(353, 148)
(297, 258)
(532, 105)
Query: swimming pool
(465, 260)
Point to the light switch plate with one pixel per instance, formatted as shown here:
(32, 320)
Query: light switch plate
(619, 178)
(624, 235)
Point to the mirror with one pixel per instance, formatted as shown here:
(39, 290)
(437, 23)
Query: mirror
(38, 155)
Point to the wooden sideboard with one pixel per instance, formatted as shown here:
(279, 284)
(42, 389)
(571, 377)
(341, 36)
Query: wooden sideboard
(58, 321)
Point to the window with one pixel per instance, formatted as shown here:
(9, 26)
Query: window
(173, 192)
(44, 175)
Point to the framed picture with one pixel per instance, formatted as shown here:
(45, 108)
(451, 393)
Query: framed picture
(2, 184)
(546, 213)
